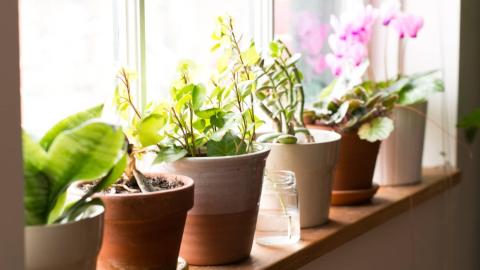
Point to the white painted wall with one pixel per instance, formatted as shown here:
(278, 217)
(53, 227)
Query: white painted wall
(11, 189)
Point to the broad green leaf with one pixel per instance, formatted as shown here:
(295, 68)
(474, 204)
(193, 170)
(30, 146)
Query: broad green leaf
(148, 129)
(377, 129)
(198, 96)
(274, 49)
(471, 123)
(69, 123)
(87, 152)
(250, 56)
(112, 176)
(229, 145)
(170, 154)
(36, 187)
(206, 114)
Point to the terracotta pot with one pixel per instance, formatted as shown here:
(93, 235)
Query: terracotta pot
(313, 165)
(144, 230)
(400, 159)
(72, 246)
(356, 163)
(221, 225)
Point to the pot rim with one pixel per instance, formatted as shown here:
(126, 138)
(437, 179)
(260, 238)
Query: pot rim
(189, 183)
(261, 149)
(98, 211)
(334, 137)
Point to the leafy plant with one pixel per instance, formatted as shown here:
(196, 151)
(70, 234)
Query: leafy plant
(280, 93)
(470, 123)
(363, 109)
(214, 119)
(77, 148)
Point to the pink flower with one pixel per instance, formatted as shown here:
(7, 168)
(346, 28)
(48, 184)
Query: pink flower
(317, 63)
(334, 63)
(389, 10)
(407, 25)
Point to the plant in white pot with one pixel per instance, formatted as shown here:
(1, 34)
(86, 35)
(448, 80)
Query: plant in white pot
(60, 235)
(399, 160)
(310, 154)
(145, 212)
(209, 137)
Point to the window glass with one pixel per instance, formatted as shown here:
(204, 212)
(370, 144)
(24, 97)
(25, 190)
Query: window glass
(66, 58)
(177, 30)
(304, 25)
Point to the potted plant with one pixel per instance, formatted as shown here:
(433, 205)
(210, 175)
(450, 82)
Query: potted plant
(310, 154)
(360, 112)
(209, 137)
(396, 163)
(350, 43)
(145, 212)
(60, 235)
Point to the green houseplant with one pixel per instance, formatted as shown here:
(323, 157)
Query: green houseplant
(361, 115)
(310, 154)
(209, 137)
(77, 148)
(146, 211)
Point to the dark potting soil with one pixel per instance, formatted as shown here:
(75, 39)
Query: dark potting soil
(125, 186)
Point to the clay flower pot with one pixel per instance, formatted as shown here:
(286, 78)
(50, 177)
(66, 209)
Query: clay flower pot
(144, 230)
(400, 159)
(221, 225)
(313, 165)
(352, 182)
(72, 246)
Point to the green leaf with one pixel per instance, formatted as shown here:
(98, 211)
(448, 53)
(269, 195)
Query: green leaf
(250, 56)
(377, 129)
(170, 154)
(229, 145)
(36, 188)
(198, 96)
(471, 123)
(69, 123)
(206, 114)
(87, 152)
(148, 129)
(114, 174)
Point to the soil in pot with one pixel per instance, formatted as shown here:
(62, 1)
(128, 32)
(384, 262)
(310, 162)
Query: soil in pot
(144, 230)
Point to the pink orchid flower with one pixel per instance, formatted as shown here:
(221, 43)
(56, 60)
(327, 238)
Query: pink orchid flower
(317, 63)
(389, 10)
(334, 63)
(407, 25)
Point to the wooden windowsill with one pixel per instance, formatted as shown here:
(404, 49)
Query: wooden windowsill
(347, 223)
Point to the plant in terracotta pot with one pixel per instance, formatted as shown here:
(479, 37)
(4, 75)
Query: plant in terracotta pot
(361, 115)
(145, 212)
(209, 137)
(62, 235)
(310, 154)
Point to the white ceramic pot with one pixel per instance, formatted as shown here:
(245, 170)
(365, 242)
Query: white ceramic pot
(313, 165)
(399, 161)
(221, 225)
(72, 246)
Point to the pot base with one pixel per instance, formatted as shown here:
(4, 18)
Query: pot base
(353, 197)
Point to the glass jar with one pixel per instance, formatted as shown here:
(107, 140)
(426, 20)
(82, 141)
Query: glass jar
(278, 219)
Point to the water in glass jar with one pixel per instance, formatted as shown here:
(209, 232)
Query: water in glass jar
(276, 227)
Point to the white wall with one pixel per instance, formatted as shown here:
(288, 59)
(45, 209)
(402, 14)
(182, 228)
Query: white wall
(11, 183)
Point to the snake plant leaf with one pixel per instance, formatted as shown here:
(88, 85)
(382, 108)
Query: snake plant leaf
(36, 189)
(377, 129)
(69, 123)
(87, 152)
